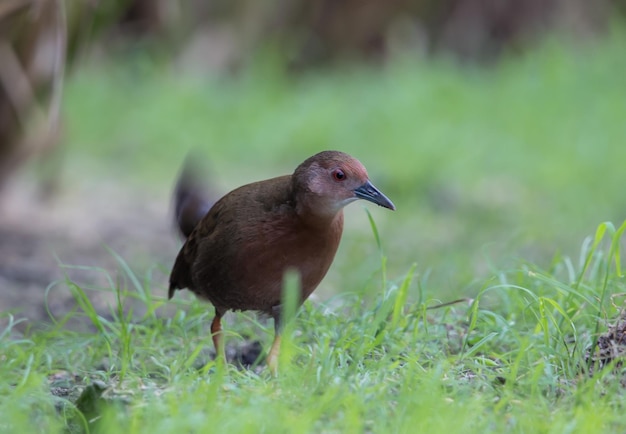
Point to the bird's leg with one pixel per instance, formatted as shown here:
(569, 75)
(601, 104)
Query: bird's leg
(272, 356)
(216, 334)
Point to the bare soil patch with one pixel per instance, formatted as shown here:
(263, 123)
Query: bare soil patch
(78, 225)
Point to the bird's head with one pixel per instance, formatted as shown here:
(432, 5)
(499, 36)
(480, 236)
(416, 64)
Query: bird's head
(328, 181)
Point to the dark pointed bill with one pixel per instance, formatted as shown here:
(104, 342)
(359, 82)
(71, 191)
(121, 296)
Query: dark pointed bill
(368, 192)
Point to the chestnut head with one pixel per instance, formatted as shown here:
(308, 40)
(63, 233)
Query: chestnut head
(328, 181)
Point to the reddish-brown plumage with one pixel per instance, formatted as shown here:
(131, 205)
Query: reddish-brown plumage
(238, 252)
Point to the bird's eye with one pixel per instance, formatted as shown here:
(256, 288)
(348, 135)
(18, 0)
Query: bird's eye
(338, 175)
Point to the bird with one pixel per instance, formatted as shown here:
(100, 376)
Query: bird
(236, 254)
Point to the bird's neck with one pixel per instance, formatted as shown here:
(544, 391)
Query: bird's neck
(315, 210)
(318, 215)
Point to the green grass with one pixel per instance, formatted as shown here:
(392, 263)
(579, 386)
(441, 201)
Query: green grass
(498, 174)
(513, 360)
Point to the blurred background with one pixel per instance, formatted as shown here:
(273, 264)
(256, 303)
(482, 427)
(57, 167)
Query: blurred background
(496, 126)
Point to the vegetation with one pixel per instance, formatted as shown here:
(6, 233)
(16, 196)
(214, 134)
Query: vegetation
(498, 175)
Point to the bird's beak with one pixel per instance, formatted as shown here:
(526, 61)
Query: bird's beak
(368, 192)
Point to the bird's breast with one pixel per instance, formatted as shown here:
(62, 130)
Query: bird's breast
(251, 276)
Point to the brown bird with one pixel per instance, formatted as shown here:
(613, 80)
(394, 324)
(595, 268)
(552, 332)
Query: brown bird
(237, 254)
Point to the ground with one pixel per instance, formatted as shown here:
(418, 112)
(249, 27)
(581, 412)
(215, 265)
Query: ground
(77, 227)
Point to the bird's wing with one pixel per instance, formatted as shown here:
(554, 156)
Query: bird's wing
(180, 277)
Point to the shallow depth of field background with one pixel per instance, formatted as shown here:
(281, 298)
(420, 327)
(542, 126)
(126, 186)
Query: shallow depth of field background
(497, 128)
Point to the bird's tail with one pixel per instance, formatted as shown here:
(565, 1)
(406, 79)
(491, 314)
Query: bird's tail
(170, 292)
(192, 198)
